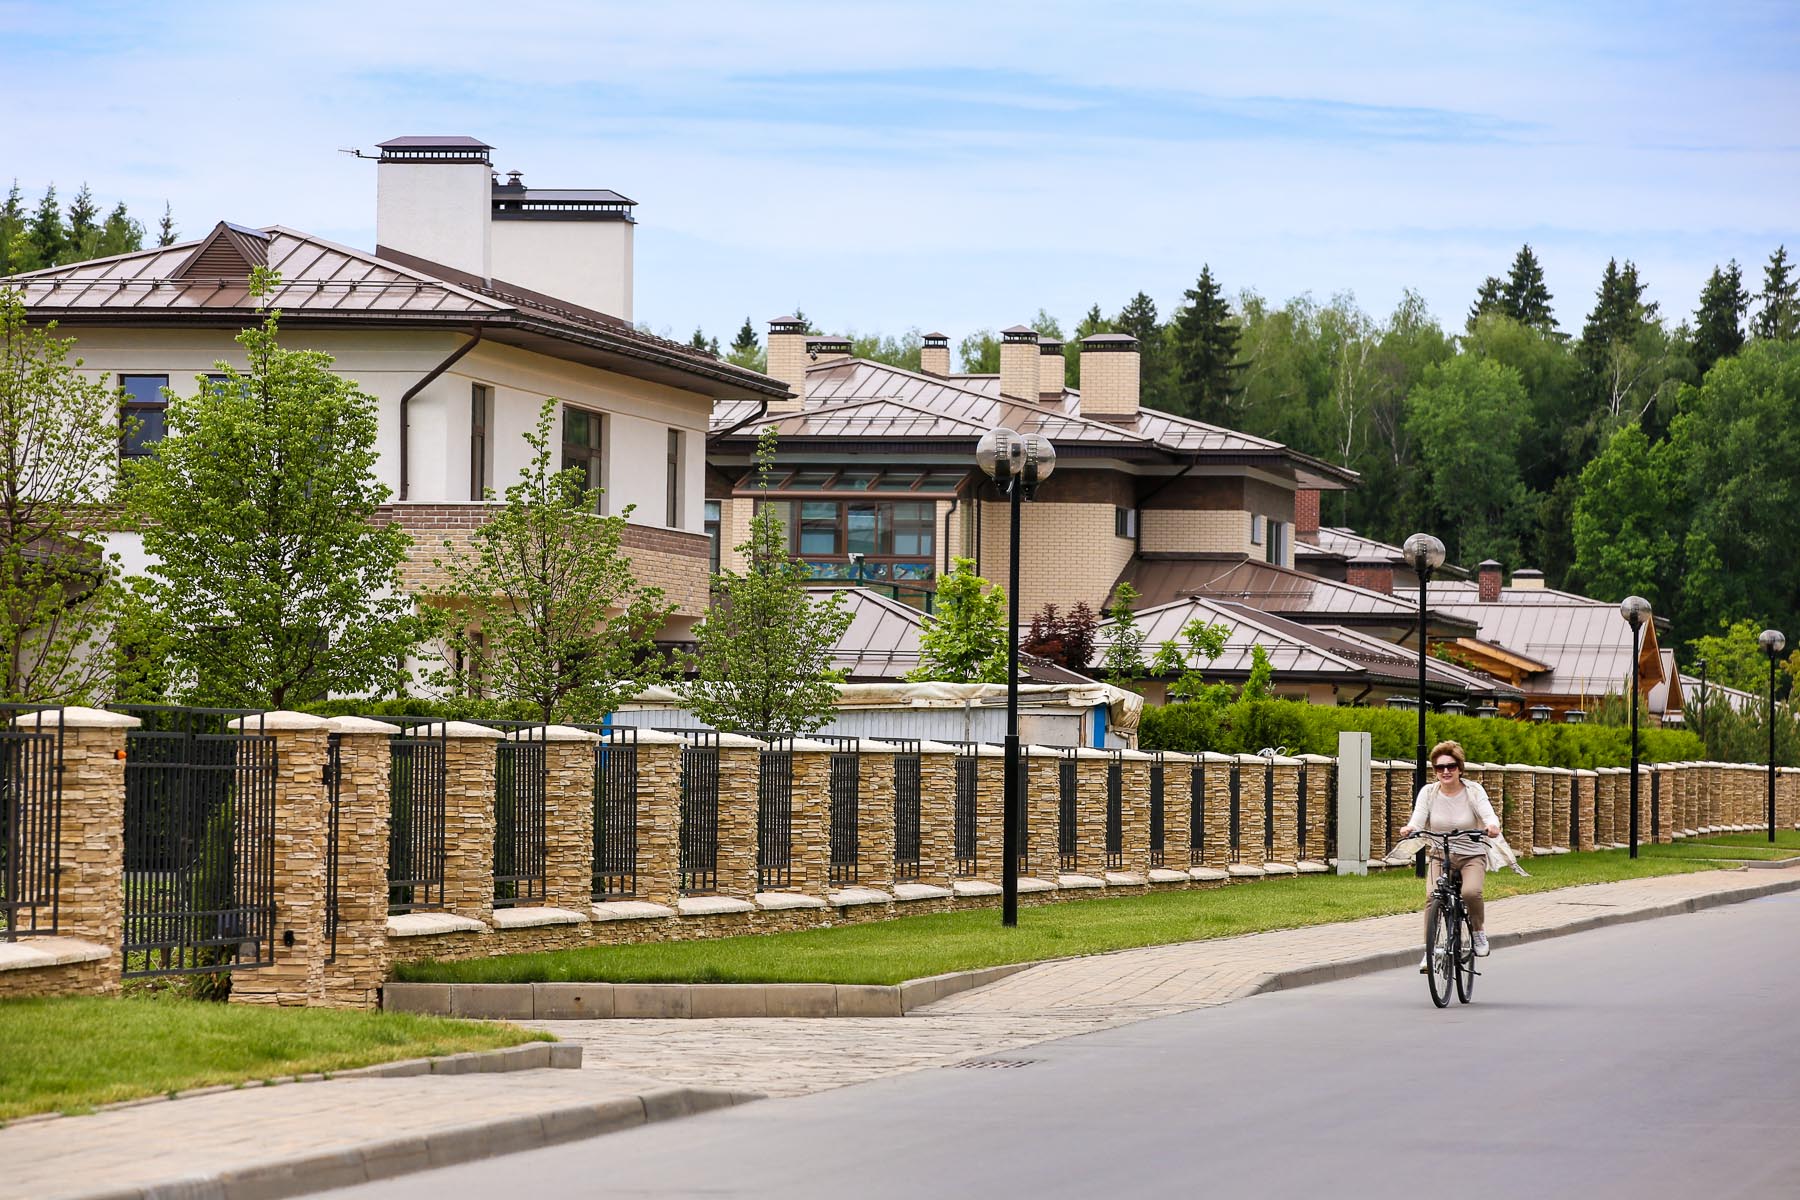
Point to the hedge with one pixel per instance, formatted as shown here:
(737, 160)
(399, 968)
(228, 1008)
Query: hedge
(1300, 728)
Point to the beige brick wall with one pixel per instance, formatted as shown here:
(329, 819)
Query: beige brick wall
(1109, 383)
(1067, 553)
(1198, 530)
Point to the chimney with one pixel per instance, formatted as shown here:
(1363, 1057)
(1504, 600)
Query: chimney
(1051, 376)
(787, 361)
(1306, 515)
(434, 200)
(1528, 580)
(934, 355)
(1019, 363)
(1109, 377)
(821, 350)
(1488, 573)
(1376, 574)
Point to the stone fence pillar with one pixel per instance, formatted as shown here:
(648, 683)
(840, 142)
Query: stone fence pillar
(658, 822)
(1093, 768)
(809, 821)
(1609, 783)
(1585, 808)
(357, 961)
(740, 761)
(568, 815)
(1042, 768)
(1218, 810)
(1286, 839)
(1177, 778)
(1562, 815)
(297, 945)
(937, 814)
(469, 764)
(1134, 816)
(1321, 800)
(88, 855)
(990, 812)
(1513, 783)
(875, 814)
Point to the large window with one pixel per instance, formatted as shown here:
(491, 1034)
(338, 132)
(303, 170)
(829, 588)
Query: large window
(581, 448)
(1277, 548)
(892, 541)
(141, 413)
(481, 418)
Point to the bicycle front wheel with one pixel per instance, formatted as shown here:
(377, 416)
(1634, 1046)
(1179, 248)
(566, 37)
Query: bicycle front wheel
(1440, 956)
(1465, 958)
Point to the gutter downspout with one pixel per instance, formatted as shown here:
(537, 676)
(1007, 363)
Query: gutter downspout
(1137, 540)
(406, 403)
(762, 410)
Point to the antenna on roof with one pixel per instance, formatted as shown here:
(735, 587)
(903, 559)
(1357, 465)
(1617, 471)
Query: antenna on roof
(353, 152)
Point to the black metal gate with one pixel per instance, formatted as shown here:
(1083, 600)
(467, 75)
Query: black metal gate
(1115, 812)
(907, 786)
(1269, 810)
(1300, 811)
(521, 819)
(700, 811)
(615, 814)
(967, 777)
(1157, 817)
(199, 842)
(1235, 782)
(1068, 792)
(846, 807)
(30, 825)
(1197, 813)
(416, 775)
(334, 774)
(775, 815)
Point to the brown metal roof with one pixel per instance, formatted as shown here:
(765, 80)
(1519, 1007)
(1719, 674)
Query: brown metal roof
(323, 283)
(882, 641)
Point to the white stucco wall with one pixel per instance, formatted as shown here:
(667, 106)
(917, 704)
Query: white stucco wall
(588, 263)
(438, 211)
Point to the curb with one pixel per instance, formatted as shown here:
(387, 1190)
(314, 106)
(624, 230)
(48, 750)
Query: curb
(664, 1001)
(375, 1161)
(1368, 964)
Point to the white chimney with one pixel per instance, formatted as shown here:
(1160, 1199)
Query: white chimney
(1052, 376)
(1019, 363)
(1109, 376)
(433, 200)
(787, 361)
(934, 355)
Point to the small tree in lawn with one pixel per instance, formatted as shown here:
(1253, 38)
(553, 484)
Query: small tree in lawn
(1259, 684)
(1124, 657)
(58, 442)
(543, 608)
(763, 660)
(964, 641)
(271, 583)
(1199, 641)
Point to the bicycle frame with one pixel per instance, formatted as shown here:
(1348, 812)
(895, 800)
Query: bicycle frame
(1446, 894)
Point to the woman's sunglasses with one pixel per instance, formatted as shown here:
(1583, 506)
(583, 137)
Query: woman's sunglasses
(1448, 766)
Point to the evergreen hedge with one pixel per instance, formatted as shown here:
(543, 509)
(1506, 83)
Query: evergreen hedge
(1301, 728)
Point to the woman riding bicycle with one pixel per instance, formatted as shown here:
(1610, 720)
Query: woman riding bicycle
(1452, 803)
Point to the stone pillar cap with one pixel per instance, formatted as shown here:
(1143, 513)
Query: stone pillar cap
(652, 737)
(737, 741)
(76, 716)
(279, 720)
(1207, 756)
(929, 747)
(553, 733)
(1176, 756)
(1588, 771)
(1316, 758)
(458, 729)
(1130, 755)
(361, 725)
(810, 746)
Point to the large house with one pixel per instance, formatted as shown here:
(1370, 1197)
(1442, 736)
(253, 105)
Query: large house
(482, 298)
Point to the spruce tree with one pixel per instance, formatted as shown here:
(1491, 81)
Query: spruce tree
(1487, 300)
(48, 240)
(1138, 318)
(745, 342)
(1719, 321)
(12, 232)
(165, 229)
(1779, 320)
(1206, 341)
(1523, 296)
(120, 234)
(84, 227)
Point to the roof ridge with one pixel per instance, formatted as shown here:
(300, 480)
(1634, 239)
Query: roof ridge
(171, 248)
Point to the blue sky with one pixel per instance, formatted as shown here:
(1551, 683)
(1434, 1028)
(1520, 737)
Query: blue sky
(956, 166)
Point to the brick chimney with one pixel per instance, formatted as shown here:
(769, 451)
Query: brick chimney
(1051, 374)
(934, 356)
(1528, 580)
(826, 349)
(1109, 377)
(1019, 363)
(788, 361)
(1488, 573)
(1376, 574)
(1306, 514)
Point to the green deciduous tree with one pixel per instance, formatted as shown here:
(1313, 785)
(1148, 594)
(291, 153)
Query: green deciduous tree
(1464, 419)
(1630, 515)
(545, 601)
(902, 351)
(965, 640)
(58, 587)
(1199, 646)
(979, 353)
(1719, 321)
(1123, 659)
(762, 663)
(271, 577)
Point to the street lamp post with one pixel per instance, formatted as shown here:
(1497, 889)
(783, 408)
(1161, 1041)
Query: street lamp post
(1772, 642)
(1017, 464)
(1424, 554)
(1701, 663)
(1636, 611)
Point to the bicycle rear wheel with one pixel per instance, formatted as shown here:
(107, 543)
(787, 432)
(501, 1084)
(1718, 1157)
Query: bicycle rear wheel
(1465, 957)
(1440, 956)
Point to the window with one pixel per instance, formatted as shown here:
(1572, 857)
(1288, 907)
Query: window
(1125, 522)
(1256, 529)
(673, 486)
(581, 448)
(481, 417)
(1276, 551)
(713, 521)
(141, 413)
(895, 539)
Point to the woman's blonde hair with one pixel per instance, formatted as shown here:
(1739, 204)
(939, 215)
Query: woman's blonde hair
(1453, 749)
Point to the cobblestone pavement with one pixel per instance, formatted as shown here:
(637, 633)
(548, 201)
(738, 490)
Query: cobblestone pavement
(198, 1137)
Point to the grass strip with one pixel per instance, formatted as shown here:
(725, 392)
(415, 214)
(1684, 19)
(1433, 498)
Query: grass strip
(1789, 838)
(889, 952)
(70, 1054)
(1723, 851)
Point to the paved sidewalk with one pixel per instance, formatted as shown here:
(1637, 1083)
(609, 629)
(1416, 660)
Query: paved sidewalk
(284, 1140)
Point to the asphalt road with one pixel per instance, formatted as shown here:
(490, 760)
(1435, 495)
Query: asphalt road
(1647, 1060)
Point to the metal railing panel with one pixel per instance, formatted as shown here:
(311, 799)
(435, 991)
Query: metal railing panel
(1158, 818)
(30, 825)
(1197, 814)
(1068, 795)
(967, 779)
(334, 773)
(417, 765)
(846, 810)
(615, 814)
(908, 776)
(699, 836)
(1115, 813)
(775, 815)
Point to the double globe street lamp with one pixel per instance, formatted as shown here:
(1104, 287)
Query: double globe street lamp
(1017, 463)
(1772, 642)
(1424, 554)
(1636, 611)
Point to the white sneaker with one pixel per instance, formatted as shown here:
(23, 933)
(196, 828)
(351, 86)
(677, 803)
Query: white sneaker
(1481, 945)
(1424, 965)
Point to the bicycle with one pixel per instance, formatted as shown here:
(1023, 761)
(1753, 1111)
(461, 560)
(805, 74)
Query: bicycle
(1449, 939)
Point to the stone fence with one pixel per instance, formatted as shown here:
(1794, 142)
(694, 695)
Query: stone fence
(546, 838)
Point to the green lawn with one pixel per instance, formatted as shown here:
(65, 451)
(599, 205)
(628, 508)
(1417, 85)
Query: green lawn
(69, 1055)
(1789, 838)
(1726, 851)
(889, 952)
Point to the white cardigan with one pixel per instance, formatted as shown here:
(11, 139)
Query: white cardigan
(1499, 854)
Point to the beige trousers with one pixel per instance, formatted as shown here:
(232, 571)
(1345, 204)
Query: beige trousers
(1474, 878)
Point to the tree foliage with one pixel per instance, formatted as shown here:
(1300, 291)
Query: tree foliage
(1719, 321)
(1778, 318)
(50, 236)
(965, 640)
(542, 607)
(1123, 659)
(1064, 638)
(58, 587)
(1205, 340)
(271, 582)
(762, 662)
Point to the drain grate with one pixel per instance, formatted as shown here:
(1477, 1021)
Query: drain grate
(984, 1064)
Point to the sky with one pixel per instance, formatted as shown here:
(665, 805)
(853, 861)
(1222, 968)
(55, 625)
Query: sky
(886, 166)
